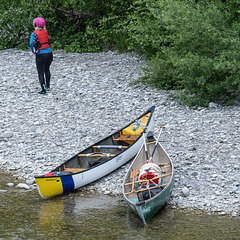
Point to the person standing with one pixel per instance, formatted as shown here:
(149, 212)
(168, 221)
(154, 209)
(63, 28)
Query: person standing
(39, 44)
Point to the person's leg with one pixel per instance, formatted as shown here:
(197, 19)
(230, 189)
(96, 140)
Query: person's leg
(47, 69)
(40, 68)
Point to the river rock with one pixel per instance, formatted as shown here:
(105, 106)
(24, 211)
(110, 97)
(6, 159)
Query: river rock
(107, 192)
(2, 191)
(30, 181)
(23, 185)
(185, 192)
(10, 184)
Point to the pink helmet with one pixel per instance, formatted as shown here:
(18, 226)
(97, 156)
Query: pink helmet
(40, 22)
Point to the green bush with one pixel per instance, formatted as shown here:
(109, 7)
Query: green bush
(189, 46)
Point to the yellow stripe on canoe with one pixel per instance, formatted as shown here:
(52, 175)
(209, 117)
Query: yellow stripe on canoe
(49, 187)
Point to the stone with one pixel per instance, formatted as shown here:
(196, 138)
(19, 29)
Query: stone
(6, 135)
(185, 192)
(10, 184)
(23, 185)
(30, 181)
(2, 191)
(107, 192)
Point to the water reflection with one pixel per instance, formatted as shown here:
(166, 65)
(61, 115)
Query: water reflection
(51, 216)
(24, 215)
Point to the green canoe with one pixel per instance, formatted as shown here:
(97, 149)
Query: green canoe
(148, 184)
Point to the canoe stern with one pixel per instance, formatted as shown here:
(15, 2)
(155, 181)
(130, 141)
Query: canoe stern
(147, 209)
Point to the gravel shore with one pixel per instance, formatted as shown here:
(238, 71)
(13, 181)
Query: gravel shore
(90, 98)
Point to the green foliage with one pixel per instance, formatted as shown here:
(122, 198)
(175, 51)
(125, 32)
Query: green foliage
(11, 17)
(189, 46)
(73, 25)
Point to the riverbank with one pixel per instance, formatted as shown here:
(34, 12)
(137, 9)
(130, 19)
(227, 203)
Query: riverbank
(90, 98)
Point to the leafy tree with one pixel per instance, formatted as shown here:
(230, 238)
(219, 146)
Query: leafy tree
(190, 46)
(72, 24)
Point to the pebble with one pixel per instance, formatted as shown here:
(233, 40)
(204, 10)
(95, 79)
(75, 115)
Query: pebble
(91, 96)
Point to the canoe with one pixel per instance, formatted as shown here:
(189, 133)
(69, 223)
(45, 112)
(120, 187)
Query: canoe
(147, 185)
(97, 160)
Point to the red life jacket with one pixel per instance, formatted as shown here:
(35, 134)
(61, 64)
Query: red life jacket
(42, 38)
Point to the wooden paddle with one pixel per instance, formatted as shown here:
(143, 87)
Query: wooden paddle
(150, 159)
(143, 126)
(145, 145)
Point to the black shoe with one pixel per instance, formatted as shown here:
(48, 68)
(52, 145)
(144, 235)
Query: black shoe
(47, 88)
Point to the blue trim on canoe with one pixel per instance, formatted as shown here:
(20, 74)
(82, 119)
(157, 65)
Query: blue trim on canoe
(67, 183)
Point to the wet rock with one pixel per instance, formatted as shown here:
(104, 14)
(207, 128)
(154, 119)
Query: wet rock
(2, 191)
(106, 192)
(30, 181)
(23, 185)
(10, 184)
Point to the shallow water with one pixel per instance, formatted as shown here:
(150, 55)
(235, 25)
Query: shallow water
(25, 215)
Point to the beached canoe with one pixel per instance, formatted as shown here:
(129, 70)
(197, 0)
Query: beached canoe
(96, 161)
(148, 184)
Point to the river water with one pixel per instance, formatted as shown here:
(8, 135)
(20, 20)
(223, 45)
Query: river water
(25, 215)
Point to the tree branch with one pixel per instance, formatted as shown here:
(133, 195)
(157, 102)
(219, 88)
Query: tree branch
(75, 14)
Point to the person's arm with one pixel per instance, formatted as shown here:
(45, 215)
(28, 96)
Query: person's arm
(31, 41)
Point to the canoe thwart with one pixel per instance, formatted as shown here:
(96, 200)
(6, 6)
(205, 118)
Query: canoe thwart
(96, 155)
(148, 143)
(136, 171)
(149, 188)
(149, 180)
(110, 146)
(124, 137)
(163, 164)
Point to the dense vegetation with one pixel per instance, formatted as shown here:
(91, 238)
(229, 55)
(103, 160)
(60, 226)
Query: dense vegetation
(189, 45)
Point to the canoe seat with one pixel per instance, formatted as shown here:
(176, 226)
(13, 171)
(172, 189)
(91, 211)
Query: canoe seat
(134, 173)
(110, 146)
(96, 155)
(94, 163)
(128, 138)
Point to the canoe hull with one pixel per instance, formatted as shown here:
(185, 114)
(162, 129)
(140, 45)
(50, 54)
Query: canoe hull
(146, 209)
(55, 185)
(49, 187)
